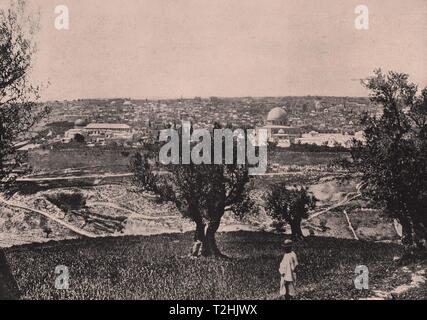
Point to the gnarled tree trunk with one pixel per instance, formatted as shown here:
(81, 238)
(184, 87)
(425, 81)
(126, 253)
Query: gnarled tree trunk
(296, 230)
(414, 237)
(8, 287)
(210, 244)
(205, 241)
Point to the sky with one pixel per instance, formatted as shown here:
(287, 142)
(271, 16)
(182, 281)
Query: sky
(174, 48)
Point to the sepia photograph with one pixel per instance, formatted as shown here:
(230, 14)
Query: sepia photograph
(213, 154)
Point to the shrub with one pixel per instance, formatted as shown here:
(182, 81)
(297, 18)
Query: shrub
(68, 201)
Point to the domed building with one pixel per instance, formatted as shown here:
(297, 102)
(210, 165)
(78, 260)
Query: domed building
(278, 129)
(80, 123)
(278, 117)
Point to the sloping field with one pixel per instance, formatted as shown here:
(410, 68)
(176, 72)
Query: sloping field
(158, 267)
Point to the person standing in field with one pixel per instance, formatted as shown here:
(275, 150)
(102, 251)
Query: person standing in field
(287, 271)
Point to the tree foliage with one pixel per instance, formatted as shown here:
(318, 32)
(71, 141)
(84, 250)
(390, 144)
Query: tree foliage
(18, 108)
(393, 158)
(19, 111)
(289, 205)
(202, 193)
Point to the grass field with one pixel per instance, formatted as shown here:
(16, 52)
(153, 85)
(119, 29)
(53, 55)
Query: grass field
(158, 267)
(286, 157)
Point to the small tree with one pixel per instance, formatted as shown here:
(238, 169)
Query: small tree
(393, 158)
(289, 205)
(68, 201)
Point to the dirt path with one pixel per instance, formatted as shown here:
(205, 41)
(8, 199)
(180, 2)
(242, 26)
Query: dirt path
(350, 226)
(92, 176)
(346, 200)
(133, 213)
(49, 216)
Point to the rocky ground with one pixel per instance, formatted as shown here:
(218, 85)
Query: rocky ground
(115, 210)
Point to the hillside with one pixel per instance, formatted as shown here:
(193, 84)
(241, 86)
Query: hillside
(158, 267)
(112, 210)
(139, 248)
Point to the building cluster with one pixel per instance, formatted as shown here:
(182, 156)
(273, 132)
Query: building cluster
(283, 133)
(313, 120)
(98, 132)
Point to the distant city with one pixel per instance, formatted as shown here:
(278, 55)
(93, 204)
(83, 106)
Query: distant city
(328, 121)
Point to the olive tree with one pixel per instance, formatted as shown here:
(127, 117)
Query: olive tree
(289, 205)
(200, 192)
(393, 158)
(19, 110)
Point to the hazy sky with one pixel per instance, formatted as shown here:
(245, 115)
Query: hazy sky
(173, 48)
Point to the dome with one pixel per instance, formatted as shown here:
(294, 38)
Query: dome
(277, 114)
(80, 123)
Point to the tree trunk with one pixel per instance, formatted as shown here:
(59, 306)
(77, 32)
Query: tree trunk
(414, 237)
(296, 230)
(204, 240)
(8, 287)
(211, 245)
